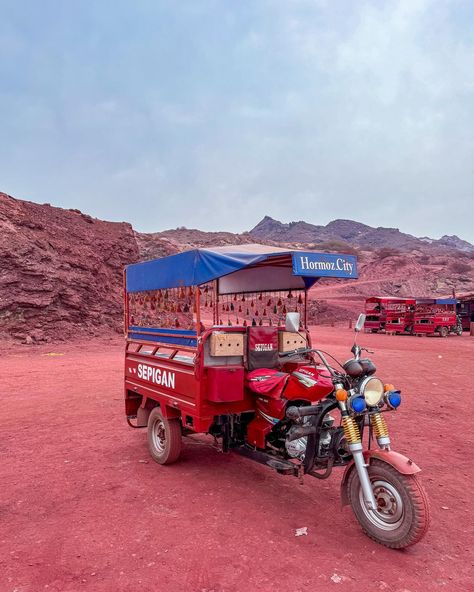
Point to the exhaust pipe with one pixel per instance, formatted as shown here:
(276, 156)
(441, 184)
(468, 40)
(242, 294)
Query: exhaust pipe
(295, 413)
(300, 432)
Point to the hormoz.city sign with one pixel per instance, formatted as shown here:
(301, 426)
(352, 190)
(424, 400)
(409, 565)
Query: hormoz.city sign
(324, 264)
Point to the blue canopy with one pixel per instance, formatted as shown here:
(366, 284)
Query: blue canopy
(198, 266)
(437, 300)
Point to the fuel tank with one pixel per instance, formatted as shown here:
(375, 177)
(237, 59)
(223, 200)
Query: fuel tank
(308, 383)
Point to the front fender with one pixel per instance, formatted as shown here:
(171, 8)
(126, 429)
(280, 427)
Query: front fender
(398, 461)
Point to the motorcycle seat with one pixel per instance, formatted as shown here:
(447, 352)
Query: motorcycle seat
(267, 381)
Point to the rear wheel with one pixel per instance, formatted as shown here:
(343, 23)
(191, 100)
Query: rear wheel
(443, 331)
(164, 438)
(402, 515)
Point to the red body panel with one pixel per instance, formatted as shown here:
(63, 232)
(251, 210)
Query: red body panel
(184, 389)
(225, 384)
(178, 379)
(297, 389)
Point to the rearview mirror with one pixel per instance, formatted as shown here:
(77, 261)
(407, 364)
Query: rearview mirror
(292, 322)
(360, 323)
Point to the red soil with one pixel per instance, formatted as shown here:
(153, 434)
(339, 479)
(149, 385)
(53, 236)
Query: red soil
(83, 507)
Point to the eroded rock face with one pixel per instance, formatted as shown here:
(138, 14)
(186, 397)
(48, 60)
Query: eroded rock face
(61, 271)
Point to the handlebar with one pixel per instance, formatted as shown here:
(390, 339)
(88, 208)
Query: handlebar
(297, 352)
(308, 350)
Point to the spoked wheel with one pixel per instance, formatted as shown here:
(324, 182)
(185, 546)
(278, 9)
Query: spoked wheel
(402, 516)
(164, 438)
(443, 331)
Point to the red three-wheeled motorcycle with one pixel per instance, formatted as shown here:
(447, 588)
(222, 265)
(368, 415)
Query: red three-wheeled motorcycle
(217, 343)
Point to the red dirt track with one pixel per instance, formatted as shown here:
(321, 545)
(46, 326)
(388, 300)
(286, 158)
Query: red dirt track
(83, 508)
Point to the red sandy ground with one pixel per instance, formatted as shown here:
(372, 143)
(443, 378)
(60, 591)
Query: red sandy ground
(82, 507)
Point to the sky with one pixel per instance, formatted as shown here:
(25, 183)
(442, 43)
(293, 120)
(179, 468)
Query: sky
(211, 114)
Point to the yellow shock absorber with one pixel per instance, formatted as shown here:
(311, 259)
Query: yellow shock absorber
(351, 430)
(379, 426)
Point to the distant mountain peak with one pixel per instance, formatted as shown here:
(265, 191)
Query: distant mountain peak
(354, 233)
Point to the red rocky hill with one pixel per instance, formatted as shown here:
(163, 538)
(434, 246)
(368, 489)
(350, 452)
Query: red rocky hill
(61, 270)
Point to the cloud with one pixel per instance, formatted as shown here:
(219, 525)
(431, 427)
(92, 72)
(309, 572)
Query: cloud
(213, 114)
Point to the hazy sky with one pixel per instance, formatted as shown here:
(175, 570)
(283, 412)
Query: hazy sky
(211, 114)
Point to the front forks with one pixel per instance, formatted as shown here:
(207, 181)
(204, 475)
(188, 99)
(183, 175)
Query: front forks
(380, 429)
(354, 443)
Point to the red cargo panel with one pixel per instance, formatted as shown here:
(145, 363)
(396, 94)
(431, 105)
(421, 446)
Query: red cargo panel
(225, 384)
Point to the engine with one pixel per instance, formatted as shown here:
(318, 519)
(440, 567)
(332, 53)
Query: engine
(297, 448)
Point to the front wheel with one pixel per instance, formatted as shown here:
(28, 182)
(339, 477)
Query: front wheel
(402, 516)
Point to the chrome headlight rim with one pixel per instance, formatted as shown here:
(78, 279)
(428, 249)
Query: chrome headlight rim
(372, 401)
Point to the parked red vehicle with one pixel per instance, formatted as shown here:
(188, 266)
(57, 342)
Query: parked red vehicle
(436, 316)
(388, 313)
(217, 343)
(465, 310)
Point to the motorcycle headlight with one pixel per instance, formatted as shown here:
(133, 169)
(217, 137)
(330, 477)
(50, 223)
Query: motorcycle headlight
(372, 390)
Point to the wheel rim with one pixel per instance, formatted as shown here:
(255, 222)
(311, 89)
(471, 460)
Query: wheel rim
(159, 436)
(390, 511)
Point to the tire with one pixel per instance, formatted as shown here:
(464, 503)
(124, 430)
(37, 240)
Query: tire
(164, 438)
(443, 331)
(401, 494)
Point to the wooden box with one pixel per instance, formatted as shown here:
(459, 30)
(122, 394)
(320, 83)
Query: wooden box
(227, 344)
(290, 341)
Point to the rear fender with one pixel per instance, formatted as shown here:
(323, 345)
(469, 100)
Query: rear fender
(398, 461)
(170, 412)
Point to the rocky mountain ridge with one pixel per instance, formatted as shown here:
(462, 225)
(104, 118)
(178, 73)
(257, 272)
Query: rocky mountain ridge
(353, 233)
(61, 271)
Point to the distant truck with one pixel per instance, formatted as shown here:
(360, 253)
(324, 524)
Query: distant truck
(465, 310)
(436, 316)
(389, 314)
